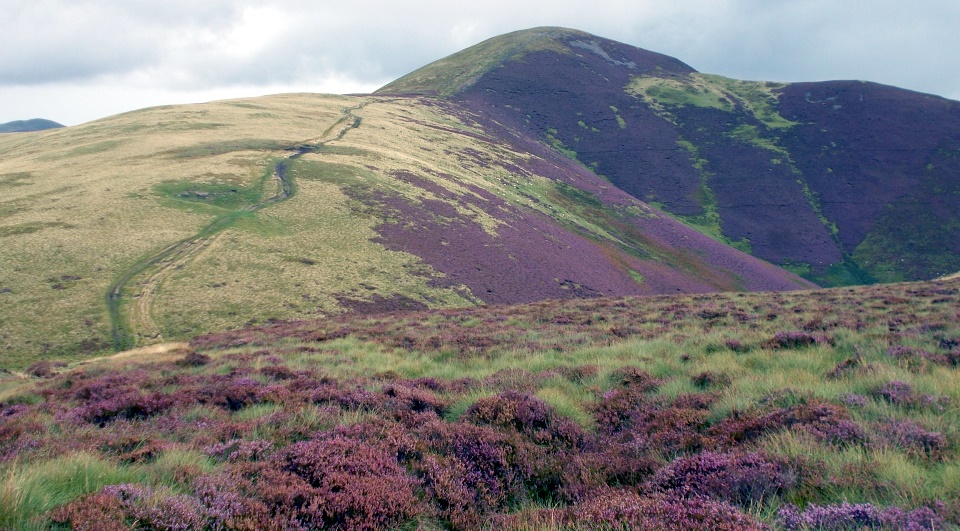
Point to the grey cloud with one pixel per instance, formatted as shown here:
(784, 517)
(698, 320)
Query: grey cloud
(810, 40)
(202, 45)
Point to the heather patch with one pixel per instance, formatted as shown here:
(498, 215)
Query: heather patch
(625, 508)
(901, 394)
(913, 438)
(354, 485)
(578, 414)
(742, 479)
(826, 422)
(854, 516)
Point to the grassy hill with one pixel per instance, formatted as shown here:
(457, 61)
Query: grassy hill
(828, 409)
(167, 222)
(842, 182)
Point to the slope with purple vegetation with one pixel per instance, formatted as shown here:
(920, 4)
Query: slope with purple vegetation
(885, 163)
(582, 238)
(844, 182)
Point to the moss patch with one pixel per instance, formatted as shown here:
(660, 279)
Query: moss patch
(911, 230)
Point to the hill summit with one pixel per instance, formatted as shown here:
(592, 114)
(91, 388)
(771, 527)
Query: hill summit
(460, 71)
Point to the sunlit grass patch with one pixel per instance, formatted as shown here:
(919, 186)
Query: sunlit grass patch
(257, 411)
(568, 401)
(177, 467)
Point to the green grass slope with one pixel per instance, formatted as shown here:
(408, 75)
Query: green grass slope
(163, 223)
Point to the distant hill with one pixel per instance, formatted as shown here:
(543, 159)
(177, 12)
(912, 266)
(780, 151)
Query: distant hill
(26, 126)
(843, 182)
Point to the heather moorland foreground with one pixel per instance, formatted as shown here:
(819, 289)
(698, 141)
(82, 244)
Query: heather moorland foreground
(829, 409)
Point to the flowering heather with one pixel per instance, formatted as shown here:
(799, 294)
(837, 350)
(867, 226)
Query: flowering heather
(417, 400)
(17, 431)
(495, 466)
(827, 422)
(193, 359)
(355, 485)
(158, 510)
(612, 464)
(45, 369)
(236, 393)
(853, 400)
(128, 405)
(666, 428)
(654, 424)
(528, 415)
(902, 394)
(352, 398)
(239, 450)
(96, 512)
(456, 496)
(624, 508)
(858, 516)
(742, 479)
(913, 438)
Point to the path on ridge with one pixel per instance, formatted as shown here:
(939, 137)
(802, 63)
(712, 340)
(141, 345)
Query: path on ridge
(131, 297)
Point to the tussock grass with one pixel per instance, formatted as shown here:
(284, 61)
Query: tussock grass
(29, 490)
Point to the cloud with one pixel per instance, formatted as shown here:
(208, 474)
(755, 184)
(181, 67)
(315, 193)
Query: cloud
(190, 47)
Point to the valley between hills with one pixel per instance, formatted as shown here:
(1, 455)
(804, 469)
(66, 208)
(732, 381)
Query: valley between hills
(549, 282)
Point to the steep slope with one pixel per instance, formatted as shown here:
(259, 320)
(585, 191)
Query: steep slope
(167, 222)
(26, 126)
(843, 182)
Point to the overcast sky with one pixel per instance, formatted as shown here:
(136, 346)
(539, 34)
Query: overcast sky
(78, 60)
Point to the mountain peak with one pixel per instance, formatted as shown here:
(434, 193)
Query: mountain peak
(460, 71)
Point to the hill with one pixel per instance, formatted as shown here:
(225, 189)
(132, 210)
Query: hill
(826, 409)
(164, 223)
(26, 126)
(843, 182)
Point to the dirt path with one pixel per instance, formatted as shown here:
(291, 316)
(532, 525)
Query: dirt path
(137, 289)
